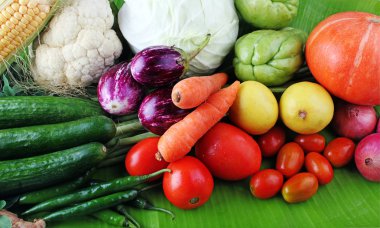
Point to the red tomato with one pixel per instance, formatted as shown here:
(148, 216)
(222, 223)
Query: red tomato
(271, 142)
(229, 152)
(290, 159)
(300, 187)
(266, 183)
(189, 184)
(339, 151)
(313, 142)
(342, 55)
(141, 160)
(318, 165)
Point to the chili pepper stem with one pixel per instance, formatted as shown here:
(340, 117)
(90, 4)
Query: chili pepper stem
(123, 209)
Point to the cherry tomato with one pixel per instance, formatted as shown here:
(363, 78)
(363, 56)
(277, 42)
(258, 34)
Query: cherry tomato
(300, 187)
(189, 184)
(311, 143)
(271, 142)
(339, 151)
(290, 159)
(141, 160)
(229, 152)
(266, 183)
(318, 165)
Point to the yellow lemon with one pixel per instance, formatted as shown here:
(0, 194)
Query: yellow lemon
(306, 107)
(255, 109)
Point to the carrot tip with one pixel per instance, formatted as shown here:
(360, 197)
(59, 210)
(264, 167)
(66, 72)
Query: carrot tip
(177, 97)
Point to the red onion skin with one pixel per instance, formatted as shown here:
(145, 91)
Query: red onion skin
(367, 157)
(118, 92)
(353, 121)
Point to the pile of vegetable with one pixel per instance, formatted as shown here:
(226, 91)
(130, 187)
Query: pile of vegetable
(158, 101)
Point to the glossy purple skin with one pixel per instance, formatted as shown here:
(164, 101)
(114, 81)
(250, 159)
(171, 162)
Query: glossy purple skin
(118, 92)
(158, 66)
(353, 121)
(157, 111)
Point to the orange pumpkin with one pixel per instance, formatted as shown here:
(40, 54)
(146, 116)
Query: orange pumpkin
(343, 54)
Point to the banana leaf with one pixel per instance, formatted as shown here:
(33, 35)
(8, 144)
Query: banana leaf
(348, 201)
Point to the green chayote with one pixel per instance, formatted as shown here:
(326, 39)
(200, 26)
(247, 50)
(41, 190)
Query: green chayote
(268, 56)
(268, 14)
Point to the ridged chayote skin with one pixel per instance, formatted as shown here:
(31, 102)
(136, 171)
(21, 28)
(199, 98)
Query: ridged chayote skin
(268, 56)
(268, 14)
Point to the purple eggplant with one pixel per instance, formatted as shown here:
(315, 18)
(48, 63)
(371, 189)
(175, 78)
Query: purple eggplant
(118, 92)
(158, 66)
(157, 111)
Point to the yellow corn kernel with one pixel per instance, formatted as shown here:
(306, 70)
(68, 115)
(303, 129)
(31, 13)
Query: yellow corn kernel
(36, 10)
(15, 6)
(10, 10)
(42, 15)
(23, 9)
(15, 32)
(31, 27)
(23, 2)
(30, 12)
(13, 20)
(5, 28)
(32, 4)
(10, 25)
(38, 19)
(18, 15)
(44, 8)
(2, 19)
(6, 14)
(11, 35)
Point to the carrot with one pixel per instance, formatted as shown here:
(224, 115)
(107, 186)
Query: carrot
(178, 140)
(191, 92)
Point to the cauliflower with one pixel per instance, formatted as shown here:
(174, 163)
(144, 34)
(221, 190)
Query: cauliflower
(78, 46)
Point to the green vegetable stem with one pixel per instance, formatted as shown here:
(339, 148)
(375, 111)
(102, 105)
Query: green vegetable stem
(111, 217)
(142, 203)
(101, 189)
(92, 206)
(42, 195)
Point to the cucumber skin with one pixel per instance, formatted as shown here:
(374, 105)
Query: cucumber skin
(22, 175)
(21, 111)
(35, 140)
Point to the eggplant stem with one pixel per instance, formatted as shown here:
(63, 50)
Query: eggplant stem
(200, 47)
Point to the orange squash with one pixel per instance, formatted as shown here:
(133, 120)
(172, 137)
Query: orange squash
(343, 54)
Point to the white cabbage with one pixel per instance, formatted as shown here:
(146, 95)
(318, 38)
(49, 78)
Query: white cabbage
(184, 24)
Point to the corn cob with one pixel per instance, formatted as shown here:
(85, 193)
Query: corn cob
(20, 23)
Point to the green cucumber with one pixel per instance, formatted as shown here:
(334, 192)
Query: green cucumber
(26, 174)
(21, 111)
(39, 139)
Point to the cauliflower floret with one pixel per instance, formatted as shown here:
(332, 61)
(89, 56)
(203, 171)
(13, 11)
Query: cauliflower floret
(78, 46)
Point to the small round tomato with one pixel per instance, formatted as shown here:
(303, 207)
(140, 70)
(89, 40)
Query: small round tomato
(311, 143)
(229, 152)
(266, 183)
(271, 142)
(189, 184)
(339, 151)
(318, 165)
(300, 187)
(290, 159)
(141, 160)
